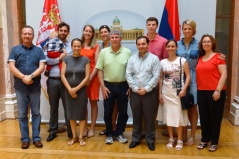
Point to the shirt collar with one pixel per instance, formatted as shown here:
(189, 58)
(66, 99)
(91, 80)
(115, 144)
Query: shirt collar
(191, 42)
(144, 55)
(67, 43)
(119, 51)
(28, 48)
(156, 38)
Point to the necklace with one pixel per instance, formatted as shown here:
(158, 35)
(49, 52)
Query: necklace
(74, 68)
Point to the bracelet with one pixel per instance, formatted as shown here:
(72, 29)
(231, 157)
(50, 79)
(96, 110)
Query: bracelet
(218, 91)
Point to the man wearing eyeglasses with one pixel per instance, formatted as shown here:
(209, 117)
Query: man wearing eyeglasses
(26, 63)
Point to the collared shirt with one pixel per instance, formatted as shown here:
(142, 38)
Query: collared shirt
(190, 54)
(54, 45)
(143, 71)
(113, 64)
(55, 71)
(157, 46)
(26, 61)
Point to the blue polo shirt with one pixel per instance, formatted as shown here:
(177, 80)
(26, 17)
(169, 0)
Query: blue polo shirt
(26, 61)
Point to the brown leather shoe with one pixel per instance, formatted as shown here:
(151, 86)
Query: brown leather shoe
(38, 144)
(25, 145)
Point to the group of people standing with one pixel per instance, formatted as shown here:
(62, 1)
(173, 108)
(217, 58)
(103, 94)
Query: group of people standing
(154, 74)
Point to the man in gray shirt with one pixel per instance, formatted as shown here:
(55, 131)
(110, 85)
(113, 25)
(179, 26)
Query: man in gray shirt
(142, 74)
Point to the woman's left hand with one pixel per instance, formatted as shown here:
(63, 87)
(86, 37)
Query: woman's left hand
(73, 91)
(74, 95)
(182, 93)
(216, 95)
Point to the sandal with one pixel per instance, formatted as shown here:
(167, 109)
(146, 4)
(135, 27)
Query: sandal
(85, 133)
(72, 141)
(179, 145)
(170, 143)
(202, 145)
(91, 133)
(212, 148)
(103, 132)
(82, 142)
(190, 141)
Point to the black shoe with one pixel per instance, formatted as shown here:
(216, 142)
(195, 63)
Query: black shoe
(151, 146)
(51, 137)
(133, 144)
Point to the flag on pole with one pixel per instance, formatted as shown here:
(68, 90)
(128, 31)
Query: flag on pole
(169, 26)
(50, 20)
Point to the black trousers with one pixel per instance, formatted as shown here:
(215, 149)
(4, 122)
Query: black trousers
(55, 90)
(117, 92)
(211, 113)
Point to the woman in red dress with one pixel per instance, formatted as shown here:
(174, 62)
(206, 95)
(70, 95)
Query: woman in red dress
(91, 49)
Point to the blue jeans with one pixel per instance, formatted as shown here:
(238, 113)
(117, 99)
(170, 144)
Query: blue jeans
(23, 100)
(193, 84)
(117, 91)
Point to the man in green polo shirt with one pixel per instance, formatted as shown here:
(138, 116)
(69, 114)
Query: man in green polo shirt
(111, 67)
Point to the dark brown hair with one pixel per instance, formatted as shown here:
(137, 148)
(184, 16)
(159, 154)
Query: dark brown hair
(153, 19)
(200, 48)
(62, 24)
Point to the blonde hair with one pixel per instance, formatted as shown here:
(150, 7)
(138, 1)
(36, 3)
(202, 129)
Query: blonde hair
(54, 34)
(191, 23)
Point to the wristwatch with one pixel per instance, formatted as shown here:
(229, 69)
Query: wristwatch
(218, 91)
(32, 75)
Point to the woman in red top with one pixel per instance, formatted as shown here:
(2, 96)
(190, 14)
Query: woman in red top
(91, 49)
(211, 74)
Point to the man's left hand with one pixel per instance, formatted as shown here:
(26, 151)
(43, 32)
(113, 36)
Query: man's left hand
(141, 91)
(27, 79)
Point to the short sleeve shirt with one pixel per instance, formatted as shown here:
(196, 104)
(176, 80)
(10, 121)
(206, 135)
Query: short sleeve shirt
(207, 73)
(26, 60)
(113, 64)
(157, 46)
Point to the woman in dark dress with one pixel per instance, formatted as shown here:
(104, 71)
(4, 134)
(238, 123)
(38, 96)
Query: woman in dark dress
(75, 74)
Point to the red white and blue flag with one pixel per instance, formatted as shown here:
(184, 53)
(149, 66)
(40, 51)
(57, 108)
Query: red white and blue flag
(169, 26)
(50, 20)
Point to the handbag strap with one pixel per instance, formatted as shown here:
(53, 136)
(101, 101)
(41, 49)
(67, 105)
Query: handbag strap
(180, 74)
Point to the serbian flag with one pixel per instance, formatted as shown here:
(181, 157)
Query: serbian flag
(169, 26)
(50, 20)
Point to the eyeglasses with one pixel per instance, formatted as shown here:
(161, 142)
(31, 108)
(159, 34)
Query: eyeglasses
(206, 42)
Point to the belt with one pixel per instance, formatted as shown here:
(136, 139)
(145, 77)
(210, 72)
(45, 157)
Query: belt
(55, 78)
(115, 83)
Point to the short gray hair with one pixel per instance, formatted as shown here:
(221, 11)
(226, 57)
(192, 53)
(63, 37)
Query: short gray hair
(116, 32)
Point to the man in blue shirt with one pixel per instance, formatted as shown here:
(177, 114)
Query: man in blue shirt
(26, 63)
(142, 74)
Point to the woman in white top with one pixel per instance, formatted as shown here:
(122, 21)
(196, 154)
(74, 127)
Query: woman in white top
(169, 92)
